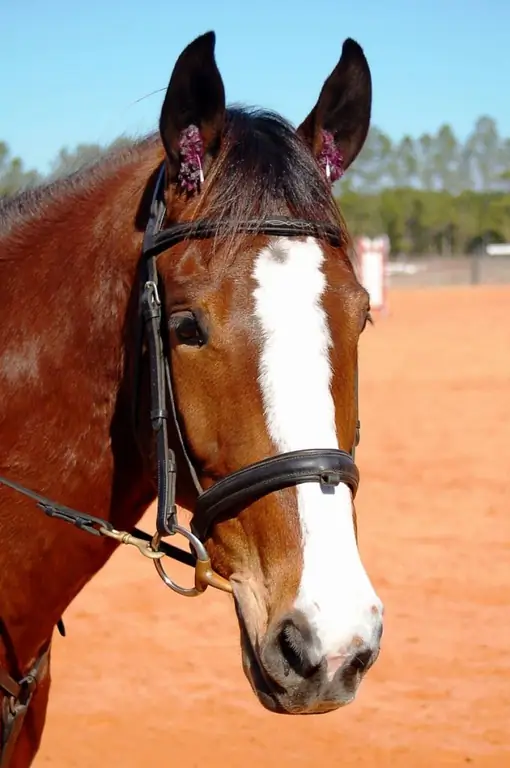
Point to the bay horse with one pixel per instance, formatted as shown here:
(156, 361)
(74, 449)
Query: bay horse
(180, 321)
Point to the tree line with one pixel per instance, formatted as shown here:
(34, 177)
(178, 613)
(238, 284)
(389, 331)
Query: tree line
(433, 193)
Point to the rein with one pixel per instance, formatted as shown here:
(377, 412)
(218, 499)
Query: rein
(328, 467)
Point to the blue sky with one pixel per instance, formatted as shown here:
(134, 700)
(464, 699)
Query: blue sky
(72, 71)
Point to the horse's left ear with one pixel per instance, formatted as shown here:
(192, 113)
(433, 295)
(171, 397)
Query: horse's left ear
(193, 113)
(337, 126)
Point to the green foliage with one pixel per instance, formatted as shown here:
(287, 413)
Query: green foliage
(421, 221)
(433, 162)
(13, 177)
(69, 161)
(428, 194)
(433, 193)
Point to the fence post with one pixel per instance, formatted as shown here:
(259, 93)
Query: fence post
(476, 263)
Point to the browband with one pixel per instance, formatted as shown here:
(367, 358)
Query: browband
(203, 229)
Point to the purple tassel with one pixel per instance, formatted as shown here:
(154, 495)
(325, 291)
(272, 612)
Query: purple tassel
(191, 149)
(330, 158)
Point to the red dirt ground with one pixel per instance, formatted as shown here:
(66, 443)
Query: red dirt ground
(145, 676)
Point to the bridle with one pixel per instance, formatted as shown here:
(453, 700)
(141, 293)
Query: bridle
(328, 467)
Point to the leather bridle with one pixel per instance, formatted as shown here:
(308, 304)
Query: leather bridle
(327, 467)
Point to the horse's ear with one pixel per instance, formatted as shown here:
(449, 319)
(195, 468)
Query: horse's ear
(337, 126)
(193, 113)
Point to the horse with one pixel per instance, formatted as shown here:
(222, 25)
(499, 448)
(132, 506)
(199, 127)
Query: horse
(180, 322)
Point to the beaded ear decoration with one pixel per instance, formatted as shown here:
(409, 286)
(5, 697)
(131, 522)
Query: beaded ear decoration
(191, 150)
(330, 158)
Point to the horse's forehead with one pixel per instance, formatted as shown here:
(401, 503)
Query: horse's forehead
(222, 274)
(225, 282)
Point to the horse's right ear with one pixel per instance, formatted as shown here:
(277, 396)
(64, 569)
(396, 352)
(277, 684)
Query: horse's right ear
(193, 113)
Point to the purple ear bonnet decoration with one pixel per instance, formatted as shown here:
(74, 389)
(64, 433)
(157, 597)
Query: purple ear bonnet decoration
(191, 149)
(330, 158)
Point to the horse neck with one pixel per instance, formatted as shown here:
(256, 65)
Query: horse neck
(66, 432)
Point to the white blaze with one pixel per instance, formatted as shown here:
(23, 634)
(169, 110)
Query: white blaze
(295, 378)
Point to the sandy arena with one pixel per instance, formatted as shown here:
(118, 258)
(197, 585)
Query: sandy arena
(146, 677)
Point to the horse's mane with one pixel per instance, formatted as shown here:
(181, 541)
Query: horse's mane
(34, 201)
(264, 169)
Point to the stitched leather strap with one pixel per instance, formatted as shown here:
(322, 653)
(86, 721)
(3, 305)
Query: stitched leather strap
(277, 227)
(328, 467)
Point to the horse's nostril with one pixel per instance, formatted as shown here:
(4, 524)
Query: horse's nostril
(295, 650)
(361, 661)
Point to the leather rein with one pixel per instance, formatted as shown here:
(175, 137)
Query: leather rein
(328, 467)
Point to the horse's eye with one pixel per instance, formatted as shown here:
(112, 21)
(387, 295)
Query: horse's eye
(188, 329)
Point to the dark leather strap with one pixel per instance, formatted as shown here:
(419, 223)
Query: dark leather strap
(277, 227)
(8, 684)
(14, 707)
(91, 524)
(328, 467)
(357, 433)
(157, 240)
(152, 315)
(166, 466)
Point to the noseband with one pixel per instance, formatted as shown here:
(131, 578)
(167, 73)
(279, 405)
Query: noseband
(228, 496)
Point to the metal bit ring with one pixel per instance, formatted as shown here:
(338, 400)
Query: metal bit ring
(204, 574)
